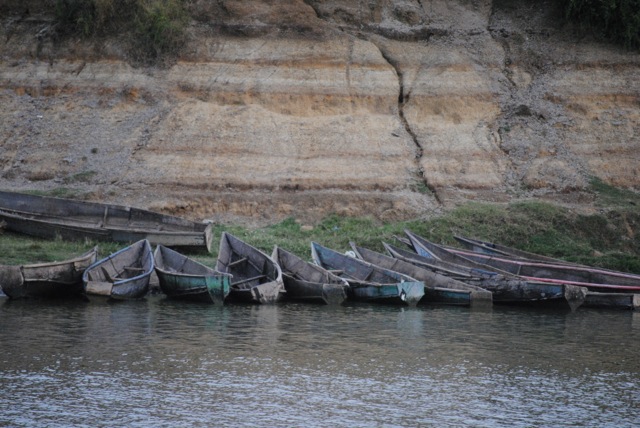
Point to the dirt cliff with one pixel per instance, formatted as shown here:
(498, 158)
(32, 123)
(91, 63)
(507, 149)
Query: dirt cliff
(394, 109)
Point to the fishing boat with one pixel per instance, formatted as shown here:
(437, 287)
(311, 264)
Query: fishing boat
(183, 278)
(368, 282)
(592, 278)
(257, 278)
(307, 282)
(438, 289)
(122, 275)
(624, 301)
(49, 217)
(48, 280)
(594, 299)
(490, 248)
(506, 288)
(485, 247)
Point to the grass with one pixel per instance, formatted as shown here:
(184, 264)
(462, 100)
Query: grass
(609, 239)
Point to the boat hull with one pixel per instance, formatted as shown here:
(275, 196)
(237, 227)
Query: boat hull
(182, 278)
(122, 275)
(257, 278)
(48, 217)
(307, 282)
(368, 282)
(46, 280)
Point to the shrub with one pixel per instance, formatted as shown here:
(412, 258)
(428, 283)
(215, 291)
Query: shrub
(156, 27)
(616, 20)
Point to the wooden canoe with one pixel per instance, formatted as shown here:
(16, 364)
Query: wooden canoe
(490, 248)
(183, 278)
(49, 217)
(593, 279)
(439, 289)
(47, 280)
(506, 288)
(257, 278)
(368, 282)
(307, 282)
(122, 275)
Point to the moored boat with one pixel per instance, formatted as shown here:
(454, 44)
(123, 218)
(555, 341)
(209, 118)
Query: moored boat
(438, 289)
(593, 279)
(122, 275)
(49, 280)
(257, 278)
(307, 282)
(506, 288)
(368, 282)
(49, 217)
(183, 278)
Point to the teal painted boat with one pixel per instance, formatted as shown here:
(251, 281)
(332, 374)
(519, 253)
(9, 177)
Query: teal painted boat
(368, 282)
(438, 289)
(183, 278)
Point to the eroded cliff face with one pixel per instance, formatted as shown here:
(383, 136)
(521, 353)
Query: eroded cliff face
(306, 108)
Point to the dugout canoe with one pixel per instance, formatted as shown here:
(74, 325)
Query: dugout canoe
(506, 288)
(593, 279)
(122, 275)
(183, 278)
(308, 282)
(257, 278)
(368, 282)
(50, 217)
(58, 279)
(438, 289)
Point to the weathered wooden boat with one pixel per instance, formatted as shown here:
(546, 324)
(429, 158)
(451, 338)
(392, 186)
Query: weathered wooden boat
(257, 278)
(183, 278)
(593, 279)
(438, 289)
(485, 247)
(368, 282)
(506, 288)
(49, 217)
(48, 280)
(122, 275)
(307, 282)
(490, 248)
(624, 301)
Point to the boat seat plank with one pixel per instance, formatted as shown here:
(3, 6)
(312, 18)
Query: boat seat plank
(237, 262)
(244, 281)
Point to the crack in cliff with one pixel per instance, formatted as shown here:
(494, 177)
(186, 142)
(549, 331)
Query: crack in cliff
(402, 101)
(424, 33)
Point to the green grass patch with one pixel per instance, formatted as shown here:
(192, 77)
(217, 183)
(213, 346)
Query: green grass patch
(21, 249)
(80, 177)
(609, 240)
(611, 196)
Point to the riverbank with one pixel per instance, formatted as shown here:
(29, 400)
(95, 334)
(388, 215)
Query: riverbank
(607, 238)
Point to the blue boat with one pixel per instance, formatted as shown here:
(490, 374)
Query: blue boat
(368, 282)
(439, 289)
(122, 275)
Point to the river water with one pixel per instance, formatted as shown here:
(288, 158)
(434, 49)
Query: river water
(155, 363)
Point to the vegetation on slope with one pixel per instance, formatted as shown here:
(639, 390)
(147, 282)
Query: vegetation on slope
(157, 28)
(609, 238)
(615, 20)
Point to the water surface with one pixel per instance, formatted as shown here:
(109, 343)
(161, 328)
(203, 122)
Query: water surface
(160, 363)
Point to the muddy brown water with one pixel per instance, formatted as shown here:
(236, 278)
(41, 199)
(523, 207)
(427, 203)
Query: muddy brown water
(160, 363)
